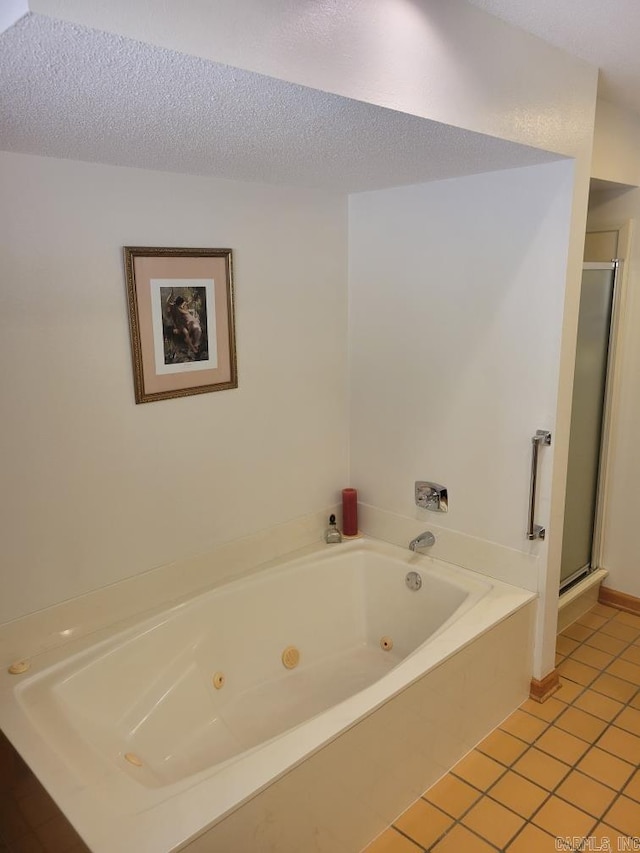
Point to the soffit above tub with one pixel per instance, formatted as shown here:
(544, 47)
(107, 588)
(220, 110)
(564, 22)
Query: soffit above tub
(71, 92)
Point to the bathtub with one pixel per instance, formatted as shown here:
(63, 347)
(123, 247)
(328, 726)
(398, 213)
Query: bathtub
(203, 726)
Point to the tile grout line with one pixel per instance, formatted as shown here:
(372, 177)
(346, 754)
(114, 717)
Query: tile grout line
(574, 767)
(469, 829)
(486, 793)
(550, 792)
(421, 847)
(547, 725)
(585, 642)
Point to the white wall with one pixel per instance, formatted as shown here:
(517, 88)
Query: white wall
(456, 313)
(448, 62)
(613, 209)
(97, 488)
(615, 145)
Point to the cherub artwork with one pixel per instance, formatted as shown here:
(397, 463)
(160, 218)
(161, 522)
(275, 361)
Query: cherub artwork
(185, 337)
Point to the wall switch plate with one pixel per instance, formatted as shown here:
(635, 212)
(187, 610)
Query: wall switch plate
(432, 496)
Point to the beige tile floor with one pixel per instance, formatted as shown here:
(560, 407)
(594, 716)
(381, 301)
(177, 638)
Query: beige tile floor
(561, 775)
(566, 769)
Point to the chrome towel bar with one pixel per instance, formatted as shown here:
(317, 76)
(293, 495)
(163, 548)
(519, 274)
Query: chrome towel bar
(535, 531)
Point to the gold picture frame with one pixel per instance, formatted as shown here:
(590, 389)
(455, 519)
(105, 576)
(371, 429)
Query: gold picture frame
(181, 319)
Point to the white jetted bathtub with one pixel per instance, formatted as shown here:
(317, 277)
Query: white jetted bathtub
(171, 734)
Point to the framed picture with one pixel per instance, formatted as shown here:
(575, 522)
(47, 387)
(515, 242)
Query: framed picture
(181, 321)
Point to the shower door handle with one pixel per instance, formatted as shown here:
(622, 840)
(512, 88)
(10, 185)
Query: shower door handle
(535, 531)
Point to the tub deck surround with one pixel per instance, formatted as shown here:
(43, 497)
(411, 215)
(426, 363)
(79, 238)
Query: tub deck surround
(498, 562)
(128, 601)
(149, 737)
(148, 694)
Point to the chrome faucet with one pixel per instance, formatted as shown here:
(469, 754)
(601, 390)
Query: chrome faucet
(425, 540)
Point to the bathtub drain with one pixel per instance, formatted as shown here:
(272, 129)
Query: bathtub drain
(413, 581)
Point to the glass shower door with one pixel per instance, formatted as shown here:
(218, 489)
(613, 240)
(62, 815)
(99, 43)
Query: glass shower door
(587, 413)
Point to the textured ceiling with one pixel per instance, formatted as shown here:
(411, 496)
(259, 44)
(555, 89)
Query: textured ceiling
(72, 92)
(605, 33)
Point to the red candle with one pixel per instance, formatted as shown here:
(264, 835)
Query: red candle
(349, 512)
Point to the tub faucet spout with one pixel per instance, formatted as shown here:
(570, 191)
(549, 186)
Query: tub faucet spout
(425, 540)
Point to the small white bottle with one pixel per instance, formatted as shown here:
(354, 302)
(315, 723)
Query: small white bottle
(333, 534)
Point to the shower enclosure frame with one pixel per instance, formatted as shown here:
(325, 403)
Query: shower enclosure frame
(604, 449)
